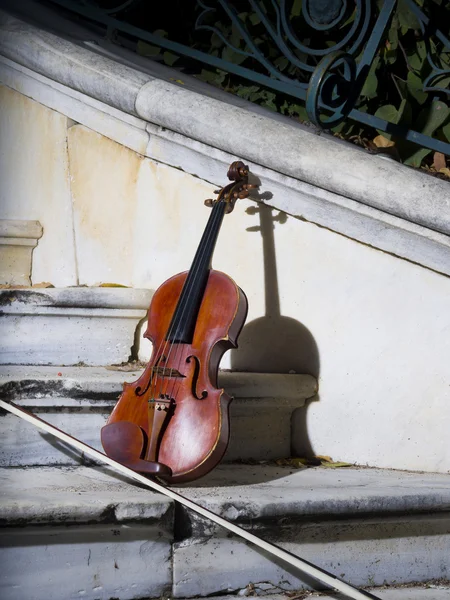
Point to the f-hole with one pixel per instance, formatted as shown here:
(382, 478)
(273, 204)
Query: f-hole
(153, 373)
(195, 378)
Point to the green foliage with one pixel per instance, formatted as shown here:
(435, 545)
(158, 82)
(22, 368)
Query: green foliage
(393, 88)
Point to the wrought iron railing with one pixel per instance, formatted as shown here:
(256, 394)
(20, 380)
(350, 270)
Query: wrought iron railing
(327, 78)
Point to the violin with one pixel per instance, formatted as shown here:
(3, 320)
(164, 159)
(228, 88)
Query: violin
(173, 422)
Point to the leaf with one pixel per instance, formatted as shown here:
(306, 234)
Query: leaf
(415, 87)
(302, 113)
(214, 77)
(393, 37)
(445, 171)
(297, 463)
(296, 8)
(269, 100)
(324, 458)
(144, 49)
(112, 285)
(169, 58)
(388, 112)
(216, 41)
(327, 461)
(281, 63)
(246, 91)
(406, 17)
(233, 57)
(429, 120)
(382, 142)
(443, 83)
(439, 161)
(369, 89)
(446, 131)
(417, 58)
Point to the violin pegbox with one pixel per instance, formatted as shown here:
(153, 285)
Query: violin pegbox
(240, 188)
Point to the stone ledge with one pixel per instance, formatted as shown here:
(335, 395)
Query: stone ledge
(77, 297)
(20, 229)
(79, 400)
(35, 382)
(242, 493)
(70, 325)
(55, 496)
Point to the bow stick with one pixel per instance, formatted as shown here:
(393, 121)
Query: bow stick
(317, 573)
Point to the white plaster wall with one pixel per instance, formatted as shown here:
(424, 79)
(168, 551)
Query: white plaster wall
(34, 182)
(373, 328)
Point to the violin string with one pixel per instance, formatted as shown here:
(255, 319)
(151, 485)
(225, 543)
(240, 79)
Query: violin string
(175, 322)
(179, 351)
(185, 299)
(217, 218)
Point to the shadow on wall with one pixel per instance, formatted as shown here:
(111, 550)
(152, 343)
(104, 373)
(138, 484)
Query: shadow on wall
(275, 343)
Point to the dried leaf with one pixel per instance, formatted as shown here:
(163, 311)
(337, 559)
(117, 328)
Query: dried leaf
(336, 465)
(43, 284)
(112, 285)
(445, 171)
(324, 458)
(439, 161)
(296, 463)
(381, 142)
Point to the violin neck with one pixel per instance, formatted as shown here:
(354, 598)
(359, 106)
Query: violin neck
(183, 322)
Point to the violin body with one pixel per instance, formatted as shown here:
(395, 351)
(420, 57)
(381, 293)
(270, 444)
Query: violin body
(197, 432)
(173, 422)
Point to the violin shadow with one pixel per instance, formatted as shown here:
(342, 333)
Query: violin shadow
(276, 343)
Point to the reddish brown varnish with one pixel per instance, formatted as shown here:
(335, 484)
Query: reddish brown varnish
(173, 422)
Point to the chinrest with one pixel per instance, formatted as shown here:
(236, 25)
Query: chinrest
(124, 441)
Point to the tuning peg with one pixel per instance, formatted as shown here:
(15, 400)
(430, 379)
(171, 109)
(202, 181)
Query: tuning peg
(209, 202)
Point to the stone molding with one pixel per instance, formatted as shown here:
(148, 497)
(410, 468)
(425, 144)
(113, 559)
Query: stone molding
(17, 241)
(371, 199)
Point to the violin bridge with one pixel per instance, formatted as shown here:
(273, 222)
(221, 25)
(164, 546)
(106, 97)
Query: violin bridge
(166, 372)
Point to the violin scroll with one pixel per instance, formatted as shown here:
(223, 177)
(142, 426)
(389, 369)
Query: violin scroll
(237, 173)
(237, 170)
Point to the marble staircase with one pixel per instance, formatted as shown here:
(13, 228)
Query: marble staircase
(72, 529)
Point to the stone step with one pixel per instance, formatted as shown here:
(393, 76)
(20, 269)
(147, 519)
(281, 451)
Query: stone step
(87, 531)
(82, 533)
(79, 399)
(428, 591)
(367, 526)
(66, 326)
